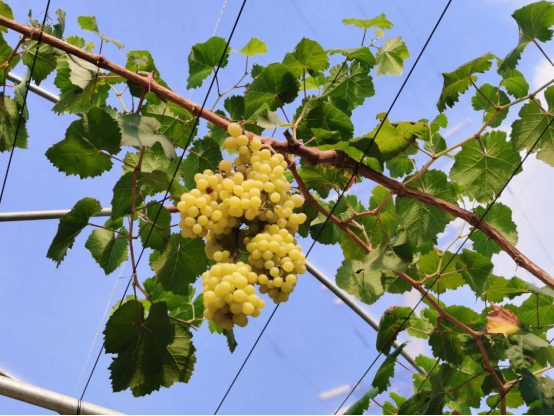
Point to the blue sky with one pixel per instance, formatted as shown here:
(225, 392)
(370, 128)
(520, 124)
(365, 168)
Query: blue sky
(314, 344)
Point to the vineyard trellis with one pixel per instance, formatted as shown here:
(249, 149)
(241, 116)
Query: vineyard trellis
(389, 246)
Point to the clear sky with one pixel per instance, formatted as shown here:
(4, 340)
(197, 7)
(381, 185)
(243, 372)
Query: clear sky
(49, 317)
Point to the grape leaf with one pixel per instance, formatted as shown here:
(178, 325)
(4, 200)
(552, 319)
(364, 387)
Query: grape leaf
(431, 263)
(46, 60)
(534, 124)
(361, 405)
(499, 217)
(5, 52)
(140, 345)
(457, 82)
(534, 22)
(356, 278)
(180, 264)
(70, 226)
(514, 82)
(140, 131)
(89, 23)
(538, 393)
(324, 117)
(155, 236)
(526, 348)
(390, 59)
(154, 158)
(176, 122)
(203, 59)
(204, 154)
(390, 325)
(423, 222)
(476, 270)
(268, 119)
(310, 55)
(383, 376)
(484, 101)
(108, 248)
(274, 86)
(380, 21)
(87, 145)
(122, 195)
(9, 118)
(143, 62)
(254, 47)
(351, 82)
(395, 255)
(484, 166)
(323, 179)
(359, 54)
(7, 12)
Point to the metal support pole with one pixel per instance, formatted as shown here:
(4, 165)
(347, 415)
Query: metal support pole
(47, 399)
(352, 304)
(35, 88)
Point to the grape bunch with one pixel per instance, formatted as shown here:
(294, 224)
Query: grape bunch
(246, 213)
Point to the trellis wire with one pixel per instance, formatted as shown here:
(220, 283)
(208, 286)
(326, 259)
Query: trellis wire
(18, 128)
(448, 263)
(196, 121)
(344, 190)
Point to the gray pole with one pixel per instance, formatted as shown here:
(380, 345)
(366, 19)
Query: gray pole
(47, 399)
(353, 304)
(35, 88)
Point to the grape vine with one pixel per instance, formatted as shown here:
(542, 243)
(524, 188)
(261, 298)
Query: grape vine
(243, 200)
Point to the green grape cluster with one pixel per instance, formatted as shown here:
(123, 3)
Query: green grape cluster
(229, 294)
(245, 211)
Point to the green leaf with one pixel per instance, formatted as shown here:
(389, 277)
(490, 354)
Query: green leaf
(438, 391)
(390, 59)
(538, 393)
(359, 54)
(176, 122)
(351, 82)
(534, 21)
(431, 263)
(356, 278)
(395, 255)
(140, 131)
(390, 138)
(274, 86)
(89, 23)
(383, 376)
(84, 150)
(204, 154)
(534, 124)
(9, 118)
(484, 101)
(380, 21)
(457, 82)
(500, 288)
(526, 348)
(155, 236)
(141, 61)
(476, 270)
(7, 12)
(499, 217)
(484, 166)
(254, 47)
(108, 248)
(310, 55)
(392, 322)
(154, 158)
(46, 60)
(361, 405)
(401, 165)
(514, 82)
(158, 294)
(79, 86)
(122, 196)
(70, 226)
(180, 264)
(5, 52)
(268, 119)
(447, 346)
(203, 59)
(179, 360)
(235, 106)
(140, 347)
(415, 404)
(191, 310)
(323, 179)
(421, 221)
(535, 309)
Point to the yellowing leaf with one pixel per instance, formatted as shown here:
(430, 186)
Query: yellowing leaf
(502, 321)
